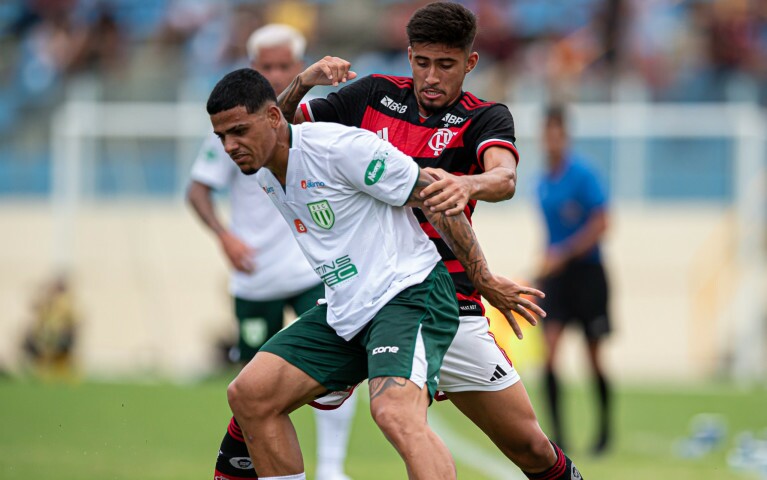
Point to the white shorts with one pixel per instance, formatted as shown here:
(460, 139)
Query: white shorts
(475, 362)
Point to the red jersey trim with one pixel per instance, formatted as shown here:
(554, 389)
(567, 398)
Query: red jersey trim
(307, 112)
(401, 82)
(470, 102)
(503, 352)
(496, 143)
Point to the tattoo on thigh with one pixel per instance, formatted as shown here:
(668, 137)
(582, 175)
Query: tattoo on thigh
(380, 384)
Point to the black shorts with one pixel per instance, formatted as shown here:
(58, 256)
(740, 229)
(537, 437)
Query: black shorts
(578, 295)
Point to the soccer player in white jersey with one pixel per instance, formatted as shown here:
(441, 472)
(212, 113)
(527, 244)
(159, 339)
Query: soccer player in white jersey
(390, 312)
(268, 270)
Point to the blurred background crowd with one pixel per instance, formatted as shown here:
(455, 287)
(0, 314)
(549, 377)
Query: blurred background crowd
(530, 50)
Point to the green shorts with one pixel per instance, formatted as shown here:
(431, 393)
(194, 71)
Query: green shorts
(407, 338)
(260, 320)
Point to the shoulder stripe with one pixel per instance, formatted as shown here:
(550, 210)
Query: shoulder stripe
(401, 82)
(470, 102)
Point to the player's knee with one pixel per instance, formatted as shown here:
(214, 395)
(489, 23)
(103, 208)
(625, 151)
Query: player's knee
(534, 452)
(393, 420)
(244, 401)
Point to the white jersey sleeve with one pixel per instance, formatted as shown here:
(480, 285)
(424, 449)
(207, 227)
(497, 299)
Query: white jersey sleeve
(213, 167)
(374, 167)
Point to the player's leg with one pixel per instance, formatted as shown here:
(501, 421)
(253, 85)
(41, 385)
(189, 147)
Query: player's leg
(257, 322)
(557, 305)
(552, 334)
(480, 380)
(293, 367)
(604, 394)
(333, 426)
(406, 342)
(261, 397)
(593, 308)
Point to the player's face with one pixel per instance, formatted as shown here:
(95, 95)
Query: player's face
(248, 138)
(438, 73)
(278, 66)
(555, 142)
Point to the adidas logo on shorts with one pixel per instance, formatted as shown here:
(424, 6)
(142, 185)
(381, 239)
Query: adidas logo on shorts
(498, 374)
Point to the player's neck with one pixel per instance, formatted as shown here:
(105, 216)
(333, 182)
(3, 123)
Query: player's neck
(279, 163)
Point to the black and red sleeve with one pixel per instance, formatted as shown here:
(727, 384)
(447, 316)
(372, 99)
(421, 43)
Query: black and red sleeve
(494, 127)
(346, 106)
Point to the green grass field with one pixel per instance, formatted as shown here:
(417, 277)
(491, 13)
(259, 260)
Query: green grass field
(162, 431)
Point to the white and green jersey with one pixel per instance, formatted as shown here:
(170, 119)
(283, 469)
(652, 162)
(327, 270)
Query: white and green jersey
(342, 199)
(281, 271)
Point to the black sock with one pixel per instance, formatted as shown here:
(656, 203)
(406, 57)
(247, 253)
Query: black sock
(604, 394)
(563, 469)
(233, 462)
(552, 394)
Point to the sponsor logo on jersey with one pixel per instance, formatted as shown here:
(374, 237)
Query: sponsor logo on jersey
(451, 119)
(243, 463)
(300, 227)
(322, 214)
(376, 168)
(575, 474)
(268, 190)
(210, 155)
(305, 184)
(337, 271)
(392, 105)
(387, 349)
(440, 140)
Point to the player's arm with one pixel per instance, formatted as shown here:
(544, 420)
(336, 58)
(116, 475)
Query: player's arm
(450, 193)
(200, 198)
(456, 231)
(578, 244)
(328, 71)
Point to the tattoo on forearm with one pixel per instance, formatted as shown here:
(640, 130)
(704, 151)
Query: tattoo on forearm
(459, 236)
(289, 99)
(380, 384)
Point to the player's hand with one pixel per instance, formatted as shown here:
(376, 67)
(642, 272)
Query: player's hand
(506, 296)
(449, 194)
(328, 71)
(239, 254)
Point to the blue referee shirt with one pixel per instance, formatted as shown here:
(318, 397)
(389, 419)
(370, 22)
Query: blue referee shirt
(568, 197)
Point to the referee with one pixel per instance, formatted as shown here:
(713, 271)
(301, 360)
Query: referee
(574, 207)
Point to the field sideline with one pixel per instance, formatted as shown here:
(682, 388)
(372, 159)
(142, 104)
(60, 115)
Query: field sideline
(163, 431)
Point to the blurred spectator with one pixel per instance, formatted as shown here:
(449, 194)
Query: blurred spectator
(50, 341)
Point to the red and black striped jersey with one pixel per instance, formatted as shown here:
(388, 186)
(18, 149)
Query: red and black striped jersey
(454, 140)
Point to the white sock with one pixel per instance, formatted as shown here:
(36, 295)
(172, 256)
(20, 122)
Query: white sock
(332, 438)
(299, 476)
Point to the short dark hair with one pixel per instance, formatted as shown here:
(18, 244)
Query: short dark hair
(444, 23)
(556, 113)
(241, 88)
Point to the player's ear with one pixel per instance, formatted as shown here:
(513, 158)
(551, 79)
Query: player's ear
(471, 62)
(274, 114)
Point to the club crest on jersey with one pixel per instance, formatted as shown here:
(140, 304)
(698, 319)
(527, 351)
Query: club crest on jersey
(440, 140)
(322, 214)
(376, 168)
(392, 105)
